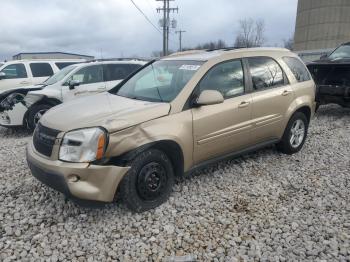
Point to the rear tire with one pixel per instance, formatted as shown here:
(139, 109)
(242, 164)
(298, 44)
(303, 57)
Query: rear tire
(149, 181)
(294, 135)
(34, 115)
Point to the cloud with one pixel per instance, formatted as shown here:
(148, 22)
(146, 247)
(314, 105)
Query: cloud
(115, 28)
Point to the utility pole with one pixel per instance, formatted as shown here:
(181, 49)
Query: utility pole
(166, 23)
(180, 32)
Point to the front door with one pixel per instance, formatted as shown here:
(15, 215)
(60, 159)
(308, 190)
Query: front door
(91, 82)
(15, 76)
(272, 96)
(222, 128)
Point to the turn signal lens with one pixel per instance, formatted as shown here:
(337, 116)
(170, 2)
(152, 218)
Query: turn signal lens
(101, 146)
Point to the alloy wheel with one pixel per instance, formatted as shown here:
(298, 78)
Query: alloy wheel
(297, 133)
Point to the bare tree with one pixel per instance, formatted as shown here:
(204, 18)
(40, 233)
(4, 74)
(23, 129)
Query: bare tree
(209, 45)
(158, 54)
(251, 33)
(288, 43)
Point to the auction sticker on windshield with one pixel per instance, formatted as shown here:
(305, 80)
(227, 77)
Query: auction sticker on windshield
(190, 67)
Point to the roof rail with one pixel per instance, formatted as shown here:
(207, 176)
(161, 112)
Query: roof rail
(187, 52)
(224, 48)
(119, 59)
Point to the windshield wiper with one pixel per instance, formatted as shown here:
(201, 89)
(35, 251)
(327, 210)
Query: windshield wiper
(158, 91)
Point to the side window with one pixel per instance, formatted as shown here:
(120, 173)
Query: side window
(15, 71)
(265, 72)
(298, 68)
(89, 75)
(119, 71)
(41, 69)
(227, 78)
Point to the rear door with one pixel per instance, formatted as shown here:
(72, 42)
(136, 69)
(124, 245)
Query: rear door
(16, 75)
(40, 71)
(115, 73)
(226, 127)
(272, 95)
(91, 82)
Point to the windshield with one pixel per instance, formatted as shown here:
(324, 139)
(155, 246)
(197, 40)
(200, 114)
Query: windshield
(59, 75)
(341, 52)
(160, 81)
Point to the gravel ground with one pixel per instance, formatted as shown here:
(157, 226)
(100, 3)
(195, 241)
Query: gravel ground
(264, 206)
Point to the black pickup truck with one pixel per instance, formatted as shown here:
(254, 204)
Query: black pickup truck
(332, 76)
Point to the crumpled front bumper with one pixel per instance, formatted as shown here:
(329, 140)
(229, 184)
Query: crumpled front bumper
(81, 181)
(13, 117)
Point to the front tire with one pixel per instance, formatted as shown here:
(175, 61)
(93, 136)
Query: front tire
(294, 135)
(149, 181)
(34, 115)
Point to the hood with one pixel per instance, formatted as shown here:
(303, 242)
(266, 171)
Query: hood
(49, 91)
(109, 111)
(328, 61)
(22, 88)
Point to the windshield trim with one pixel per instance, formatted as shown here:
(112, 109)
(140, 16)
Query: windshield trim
(74, 67)
(335, 50)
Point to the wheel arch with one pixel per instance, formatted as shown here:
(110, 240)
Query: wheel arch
(44, 101)
(171, 148)
(306, 110)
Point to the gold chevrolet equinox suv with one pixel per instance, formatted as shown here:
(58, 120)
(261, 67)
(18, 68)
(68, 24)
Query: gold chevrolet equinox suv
(170, 117)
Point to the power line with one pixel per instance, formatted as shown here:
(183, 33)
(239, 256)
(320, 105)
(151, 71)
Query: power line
(166, 9)
(151, 7)
(132, 1)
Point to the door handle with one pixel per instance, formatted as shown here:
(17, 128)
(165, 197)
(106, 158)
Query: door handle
(243, 104)
(24, 83)
(286, 93)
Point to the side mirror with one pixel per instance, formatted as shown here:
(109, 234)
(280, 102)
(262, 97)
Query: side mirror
(209, 97)
(73, 84)
(2, 75)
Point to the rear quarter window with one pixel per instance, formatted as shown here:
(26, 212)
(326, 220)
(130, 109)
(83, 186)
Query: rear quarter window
(298, 69)
(41, 69)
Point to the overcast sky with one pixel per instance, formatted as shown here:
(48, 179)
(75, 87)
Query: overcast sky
(115, 28)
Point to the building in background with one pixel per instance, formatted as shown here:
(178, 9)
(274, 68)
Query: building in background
(321, 25)
(50, 55)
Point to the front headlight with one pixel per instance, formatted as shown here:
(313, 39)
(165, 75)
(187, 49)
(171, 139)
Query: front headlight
(31, 99)
(83, 145)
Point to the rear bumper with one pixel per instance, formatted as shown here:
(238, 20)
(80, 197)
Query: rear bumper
(80, 181)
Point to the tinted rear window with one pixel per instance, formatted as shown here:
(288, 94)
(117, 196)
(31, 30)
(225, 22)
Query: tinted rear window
(298, 68)
(41, 69)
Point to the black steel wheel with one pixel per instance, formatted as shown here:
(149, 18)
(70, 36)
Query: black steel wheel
(149, 181)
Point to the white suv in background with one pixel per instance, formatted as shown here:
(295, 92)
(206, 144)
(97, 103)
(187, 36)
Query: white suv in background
(20, 108)
(20, 73)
